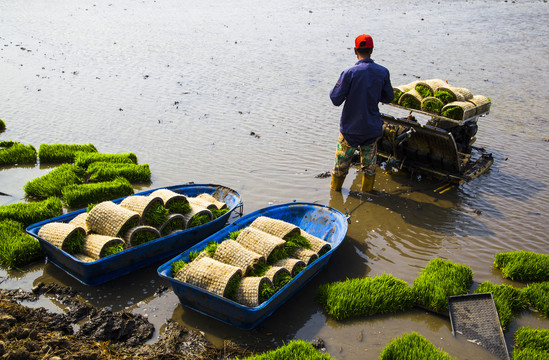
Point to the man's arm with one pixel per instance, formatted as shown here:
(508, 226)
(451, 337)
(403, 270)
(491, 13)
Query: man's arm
(340, 90)
(387, 93)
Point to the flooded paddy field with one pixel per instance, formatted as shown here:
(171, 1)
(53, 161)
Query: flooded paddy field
(236, 93)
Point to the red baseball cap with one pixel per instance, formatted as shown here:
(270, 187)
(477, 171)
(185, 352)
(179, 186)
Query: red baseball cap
(364, 42)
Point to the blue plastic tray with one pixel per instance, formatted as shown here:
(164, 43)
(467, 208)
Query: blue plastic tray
(103, 270)
(322, 221)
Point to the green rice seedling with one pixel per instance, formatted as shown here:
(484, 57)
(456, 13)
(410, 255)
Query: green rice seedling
(74, 243)
(2, 125)
(83, 194)
(537, 295)
(411, 103)
(84, 159)
(279, 280)
(32, 212)
(234, 234)
(260, 268)
(62, 153)
(531, 343)
(232, 287)
(297, 269)
(397, 96)
(523, 265)
(112, 249)
(90, 206)
(178, 265)
(14, 153)
(438, 280)
(193, 255)
(278, 253)
(178, 206)
(508, 300)
(445, 96)
(266, 290)
(296, 349)
(424, 90)
(143, 237)
(432, 105)
(52, 183)
(358, 297)
(295, 241)
(132, 222)
(156, 214)
(211, 248)
(453, 112)
(219, 212)
(16, 246)
(175, 224)
(105, 171)
(412, 346)
(197, 220)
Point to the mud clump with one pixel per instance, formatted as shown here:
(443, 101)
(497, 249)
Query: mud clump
(35, 333)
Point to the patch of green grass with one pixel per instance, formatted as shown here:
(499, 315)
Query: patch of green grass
(412, 346)
(62, 153)
(445, 96)
(193, 255)
(410, 102)
(438, 280)
(453, 112)
(232, 287)
(397, 96)
(537, 295)
(278, 253)
(234, 234)
(523, 265)
(32, 212)
(358, 297)
(77, 195)
(14, 153)
(52, 183)
(106, 171)
(295, 350)
(424, 90)
(219, 212)
(295, 241)
(531, 344)
(2, 125)
(178, 265)
(266, 290)
(111, 249)
(75, 242)
(280, 280)
(84, 159)
(174, 224)
(132, 222)
(199, 219)
(508, 300)
(16, 246)
(432, 105)
(211, 248)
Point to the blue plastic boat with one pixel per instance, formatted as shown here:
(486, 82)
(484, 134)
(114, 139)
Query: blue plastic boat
(324, 222)
(108, 268)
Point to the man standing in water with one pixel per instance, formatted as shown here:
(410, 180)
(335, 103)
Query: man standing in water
(362, 87)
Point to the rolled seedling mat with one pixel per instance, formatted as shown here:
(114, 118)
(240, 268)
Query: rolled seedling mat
(174, 222)
(81, 220)
(259, 241)
(318, 245)
(211, 275)
(140, 234)
(232, 253)
(432, 104)
(294, 266)
(459, 110)
(67, 237)
(411, 99)
(306, 255)
(195, 211)
(276, 274)
(202, 203)
(84, 258)
(208, 197)
(275, 227)
(172, 201)
(450, 94)
(250, 289)
(95, 245)
(108, 218)
(481, 102)
(399, 90)
(147, 207)
(428, 87)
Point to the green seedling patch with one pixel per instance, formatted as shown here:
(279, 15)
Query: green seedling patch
(112, 248)
(85, 194)
(62, 153)
(156, 214)
(52, 183)
(412, 346)
(32, 212)
(296, 349)
(508, 300)
(199, 219)
(84, 159)
(14, 153)
(523, 265)
(537, 295)
(531, 344)
(178, 265)
(106, 171)
(16, 246)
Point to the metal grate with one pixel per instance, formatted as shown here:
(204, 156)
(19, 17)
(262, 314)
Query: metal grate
(475, 316)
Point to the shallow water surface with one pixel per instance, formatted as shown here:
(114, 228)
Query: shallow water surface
(236, 93)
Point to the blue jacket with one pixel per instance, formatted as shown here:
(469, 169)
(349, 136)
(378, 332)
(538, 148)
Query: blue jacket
(362, 87)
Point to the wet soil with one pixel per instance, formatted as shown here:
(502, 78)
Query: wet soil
(85, 332)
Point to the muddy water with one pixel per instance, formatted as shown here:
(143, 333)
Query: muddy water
(236, 93)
